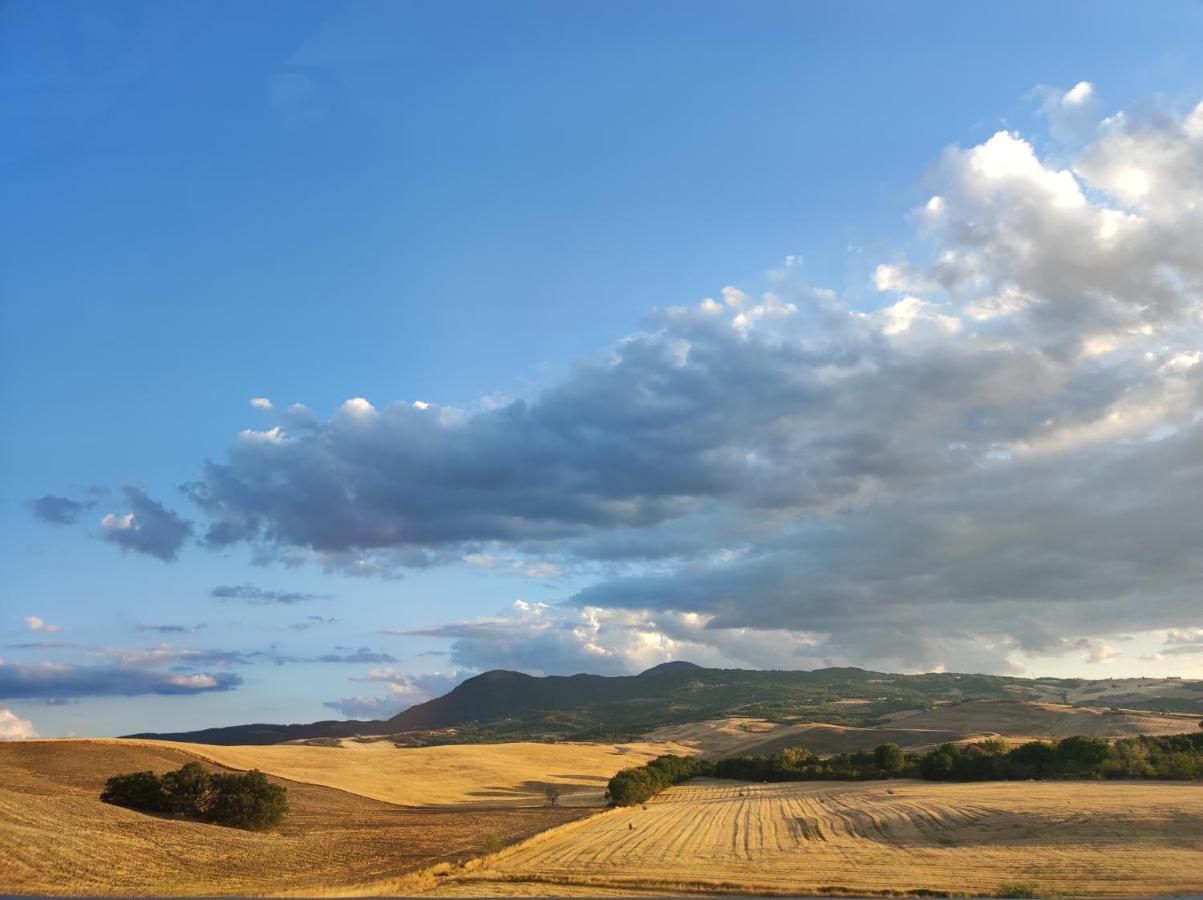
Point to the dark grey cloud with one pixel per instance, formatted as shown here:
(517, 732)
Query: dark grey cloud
(48, 681)
(149, 527)
(261, 596)
(59, 510)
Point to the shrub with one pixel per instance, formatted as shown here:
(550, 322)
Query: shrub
(247, 801)
(137, 790)
(189, 791)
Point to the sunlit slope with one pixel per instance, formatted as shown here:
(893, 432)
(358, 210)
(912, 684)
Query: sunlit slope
(481, 774)
(922, 729)
(1046, 720)
(56, 837)
(1095, 838)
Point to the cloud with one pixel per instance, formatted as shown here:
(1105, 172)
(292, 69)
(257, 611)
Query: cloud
(1071, 114)
(360, 655)
(59, 510)
(312, 622)
(171, 629)
(546, 640)
(51, 681)
(37, 623)
(996, 456)
(259, 596)
(367, 708)
(14, 728)
(404, 691)
(150, 528)
(261, 403)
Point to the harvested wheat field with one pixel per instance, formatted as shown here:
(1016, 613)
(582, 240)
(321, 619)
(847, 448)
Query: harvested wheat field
(464, 774)
(56, 837)
(1094, 838)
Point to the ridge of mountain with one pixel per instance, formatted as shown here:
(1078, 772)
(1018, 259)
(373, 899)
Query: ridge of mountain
(501, 705)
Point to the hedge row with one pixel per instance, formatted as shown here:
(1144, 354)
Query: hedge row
(638, 785)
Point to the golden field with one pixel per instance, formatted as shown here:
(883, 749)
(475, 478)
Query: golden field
(372, 818)
(1067, 838)
(56, 837)
(460, 775)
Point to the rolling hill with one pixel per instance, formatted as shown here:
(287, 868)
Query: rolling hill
(508, 706)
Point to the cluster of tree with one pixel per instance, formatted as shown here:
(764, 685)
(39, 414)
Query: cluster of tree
(640, 784)
(1177, 756)
(246, 800)
(1173, 756)
(799, 764)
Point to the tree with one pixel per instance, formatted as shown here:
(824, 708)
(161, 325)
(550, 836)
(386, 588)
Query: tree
(552, 793)
(137, 790)
(189, 791)
(247, 801)
(889, 758)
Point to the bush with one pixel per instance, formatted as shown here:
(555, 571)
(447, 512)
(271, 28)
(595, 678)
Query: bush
(189, 791)
(247, 801)
(137, 790)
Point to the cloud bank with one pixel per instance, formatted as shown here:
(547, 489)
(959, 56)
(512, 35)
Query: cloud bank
(1000, 456)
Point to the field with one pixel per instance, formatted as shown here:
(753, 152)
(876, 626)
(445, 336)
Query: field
(460, 774)
(922, 730)
(367, 816)
(56, 837)
(714, 836)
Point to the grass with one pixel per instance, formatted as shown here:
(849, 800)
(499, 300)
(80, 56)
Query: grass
(485, 775)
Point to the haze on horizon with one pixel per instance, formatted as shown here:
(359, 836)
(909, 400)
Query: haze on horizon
(349, 355)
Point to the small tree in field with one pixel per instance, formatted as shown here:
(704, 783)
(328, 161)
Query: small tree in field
(889, 758)
(552, 793)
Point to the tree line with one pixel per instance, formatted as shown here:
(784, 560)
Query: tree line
(1178, 757)
(239, 800)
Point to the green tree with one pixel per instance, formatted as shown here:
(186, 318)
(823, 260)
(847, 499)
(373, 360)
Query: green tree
(247, 801)
(189, 791)
(889, 758)
(137, 790)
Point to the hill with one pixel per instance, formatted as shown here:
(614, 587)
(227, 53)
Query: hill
(511, 706)
(56, 837)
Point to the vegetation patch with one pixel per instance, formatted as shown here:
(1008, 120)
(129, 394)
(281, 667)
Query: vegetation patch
(246, 800)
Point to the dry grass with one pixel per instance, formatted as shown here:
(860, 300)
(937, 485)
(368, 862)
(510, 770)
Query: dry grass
(56, 837)
(724, 837)
(471, 774)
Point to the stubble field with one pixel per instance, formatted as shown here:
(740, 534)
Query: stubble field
(56, 837)
(1090, 838)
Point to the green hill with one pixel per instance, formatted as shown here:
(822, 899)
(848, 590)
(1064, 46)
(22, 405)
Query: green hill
(503, 705)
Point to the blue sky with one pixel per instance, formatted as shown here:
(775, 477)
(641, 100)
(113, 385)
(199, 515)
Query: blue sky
(471, 206)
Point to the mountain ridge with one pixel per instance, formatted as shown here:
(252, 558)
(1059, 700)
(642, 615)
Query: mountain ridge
(501, 705)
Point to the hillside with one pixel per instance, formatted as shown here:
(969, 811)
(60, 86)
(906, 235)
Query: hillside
(56, 837)
(509, 706)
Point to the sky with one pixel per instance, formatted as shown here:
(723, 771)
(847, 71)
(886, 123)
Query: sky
(348, 349)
